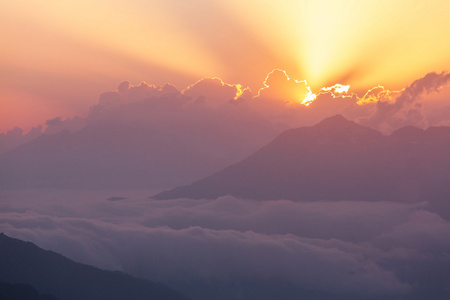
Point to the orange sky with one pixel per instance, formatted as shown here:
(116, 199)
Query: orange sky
(56, 57)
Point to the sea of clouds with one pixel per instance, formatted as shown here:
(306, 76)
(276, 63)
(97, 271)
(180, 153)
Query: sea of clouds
(352, 248)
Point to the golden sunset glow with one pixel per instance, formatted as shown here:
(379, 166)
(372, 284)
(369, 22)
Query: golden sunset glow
(367, 42)
(337, 88)
(378, 93)
(86, 47)
(239, 91)
(309, 98)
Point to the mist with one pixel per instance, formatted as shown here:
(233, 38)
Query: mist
(354, 248)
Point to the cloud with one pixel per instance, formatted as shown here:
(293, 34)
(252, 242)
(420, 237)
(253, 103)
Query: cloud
(279, 86)
(278, 102)
(150, 135)
(351, 248)
(54, 122)
(127, 93)
(154, 133)
(57, 124)
(382, 109)
(398, 109)
(213, 90)
(16, 137)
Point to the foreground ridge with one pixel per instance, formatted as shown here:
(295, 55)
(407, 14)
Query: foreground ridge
(52, 273)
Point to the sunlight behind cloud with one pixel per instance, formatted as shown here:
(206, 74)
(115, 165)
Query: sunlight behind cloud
(90, 46)
(337, 88)
(359, 42)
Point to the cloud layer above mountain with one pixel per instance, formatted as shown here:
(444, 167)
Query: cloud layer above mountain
(281, 103)
(350, 248)
(291, 103)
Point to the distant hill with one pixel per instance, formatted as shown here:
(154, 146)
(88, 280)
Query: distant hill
(336, 159)
(130, 154)
(51, 273)
(102, 156)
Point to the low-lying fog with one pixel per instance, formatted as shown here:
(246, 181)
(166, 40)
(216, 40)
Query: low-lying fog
(355, 248)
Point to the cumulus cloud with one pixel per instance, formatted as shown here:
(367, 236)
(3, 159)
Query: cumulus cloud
(398, 109)
(213, 90)
(54, 122)
(278, 85)
(127, 93)
(16, 137)
(349, 248)
(205, 120)
(282, 102)
(57, 124)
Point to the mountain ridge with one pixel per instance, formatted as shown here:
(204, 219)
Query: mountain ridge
(52, 273)
(336, 159)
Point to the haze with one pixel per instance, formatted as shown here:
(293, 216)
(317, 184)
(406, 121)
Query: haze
(239, 150)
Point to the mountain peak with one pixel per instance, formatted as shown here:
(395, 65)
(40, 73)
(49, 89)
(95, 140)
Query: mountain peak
(339, 126)
(337, 120)
(409, 132)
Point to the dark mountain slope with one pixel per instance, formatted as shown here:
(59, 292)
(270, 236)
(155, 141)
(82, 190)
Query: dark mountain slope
(18, 291)
(336, 159)
(51, 273)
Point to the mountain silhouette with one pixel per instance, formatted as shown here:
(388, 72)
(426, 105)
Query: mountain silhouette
(336, 159)
(131, 153)
(102, 156)
(19, 291)
(50, 273)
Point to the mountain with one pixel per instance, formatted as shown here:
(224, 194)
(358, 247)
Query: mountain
(336, 159)
(18, 291)
(120, 155)
(155, 142)
(51, 273)
(101, 156)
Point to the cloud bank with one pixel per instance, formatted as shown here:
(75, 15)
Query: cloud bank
(358, 249)
(284, 103)
(280, 104)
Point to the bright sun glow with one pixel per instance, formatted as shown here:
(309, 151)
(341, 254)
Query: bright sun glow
(239, 91)
(309, 98)
(67, 52)
(337, 88)
(361, 42)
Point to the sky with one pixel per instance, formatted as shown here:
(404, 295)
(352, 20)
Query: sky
(57, 57)
(159, 93)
